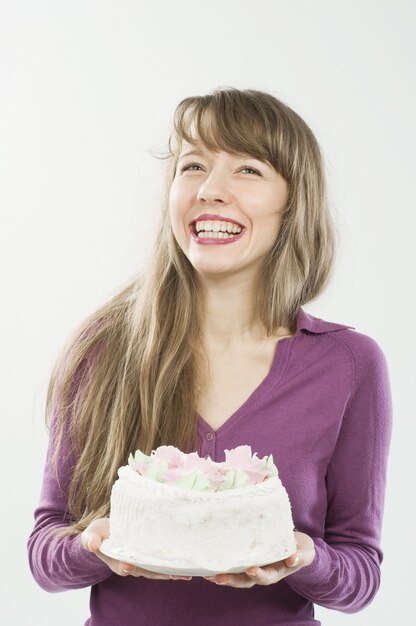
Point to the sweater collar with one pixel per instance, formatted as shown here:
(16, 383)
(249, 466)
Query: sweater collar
(306, 321)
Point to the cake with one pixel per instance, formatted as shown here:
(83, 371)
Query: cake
(173, 512)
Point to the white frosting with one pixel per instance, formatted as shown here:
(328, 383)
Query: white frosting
(166, 525)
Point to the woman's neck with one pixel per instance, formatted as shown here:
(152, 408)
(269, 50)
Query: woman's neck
(228, 315)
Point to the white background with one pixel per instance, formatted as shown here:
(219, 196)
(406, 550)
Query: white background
(88, 90)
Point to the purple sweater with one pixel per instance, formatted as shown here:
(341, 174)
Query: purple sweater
(324, 411)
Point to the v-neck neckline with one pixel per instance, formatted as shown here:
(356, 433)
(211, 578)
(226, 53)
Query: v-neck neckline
(268, 383)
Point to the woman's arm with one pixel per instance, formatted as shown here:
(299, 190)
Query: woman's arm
(59, 563)
(345, 573)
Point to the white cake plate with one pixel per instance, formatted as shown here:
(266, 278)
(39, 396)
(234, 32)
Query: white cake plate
(122, 554)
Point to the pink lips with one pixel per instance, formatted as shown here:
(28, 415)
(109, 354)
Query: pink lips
(214, 240)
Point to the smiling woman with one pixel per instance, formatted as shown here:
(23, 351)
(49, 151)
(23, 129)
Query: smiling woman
(207, 349)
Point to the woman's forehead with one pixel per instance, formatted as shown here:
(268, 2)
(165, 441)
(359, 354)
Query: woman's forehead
(197, 148)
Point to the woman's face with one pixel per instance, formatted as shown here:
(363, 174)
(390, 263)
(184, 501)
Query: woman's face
(225, 187)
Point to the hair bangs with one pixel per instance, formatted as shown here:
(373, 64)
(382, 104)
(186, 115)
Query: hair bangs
(226, 121)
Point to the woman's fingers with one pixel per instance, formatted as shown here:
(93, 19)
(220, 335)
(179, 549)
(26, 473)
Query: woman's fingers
(159, 576)
(274, 572)
(130, 570)
(92, 538)
(94, 542)
(266, 575)
(118, 567)
(270, 574)
(292, 560)
(95, 533)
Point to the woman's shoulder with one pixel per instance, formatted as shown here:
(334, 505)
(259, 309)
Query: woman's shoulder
(362, 346)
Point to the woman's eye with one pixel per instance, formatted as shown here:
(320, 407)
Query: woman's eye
(189, 165)
(247, 167)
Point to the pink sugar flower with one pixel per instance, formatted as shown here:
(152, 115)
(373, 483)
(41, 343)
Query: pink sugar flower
(193, 464)
(241, 458)
(173, 456)
(140, 468)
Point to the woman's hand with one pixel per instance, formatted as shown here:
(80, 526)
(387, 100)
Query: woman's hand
(270, 574)
(91, 539)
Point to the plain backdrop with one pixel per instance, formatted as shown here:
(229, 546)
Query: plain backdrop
(88, 90)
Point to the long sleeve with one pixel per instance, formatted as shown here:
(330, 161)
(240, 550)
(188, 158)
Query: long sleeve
(345, 574)
(59, 563)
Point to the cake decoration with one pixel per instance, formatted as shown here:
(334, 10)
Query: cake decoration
(168, 464)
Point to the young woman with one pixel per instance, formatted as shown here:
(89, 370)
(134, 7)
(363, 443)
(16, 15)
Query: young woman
(207, 349)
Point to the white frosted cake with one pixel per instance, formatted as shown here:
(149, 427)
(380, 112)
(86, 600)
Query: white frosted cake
(174, 512)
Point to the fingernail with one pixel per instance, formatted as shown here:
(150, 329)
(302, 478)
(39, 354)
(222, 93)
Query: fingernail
(128, 569)
(222, 579)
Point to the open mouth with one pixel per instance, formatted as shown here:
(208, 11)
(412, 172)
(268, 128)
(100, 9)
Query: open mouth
(214, 237)
(232, 231)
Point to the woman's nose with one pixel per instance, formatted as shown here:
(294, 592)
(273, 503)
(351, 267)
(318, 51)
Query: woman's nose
(210, 197)
(213, 190)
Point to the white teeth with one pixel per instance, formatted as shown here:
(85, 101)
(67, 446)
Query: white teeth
(217, 226)
(213, 235)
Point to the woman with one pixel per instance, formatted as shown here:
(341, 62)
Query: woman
(210, 348)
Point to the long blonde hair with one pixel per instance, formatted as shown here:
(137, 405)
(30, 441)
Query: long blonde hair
(129, 376)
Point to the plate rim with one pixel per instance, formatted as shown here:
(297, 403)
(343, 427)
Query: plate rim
(161, 569)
